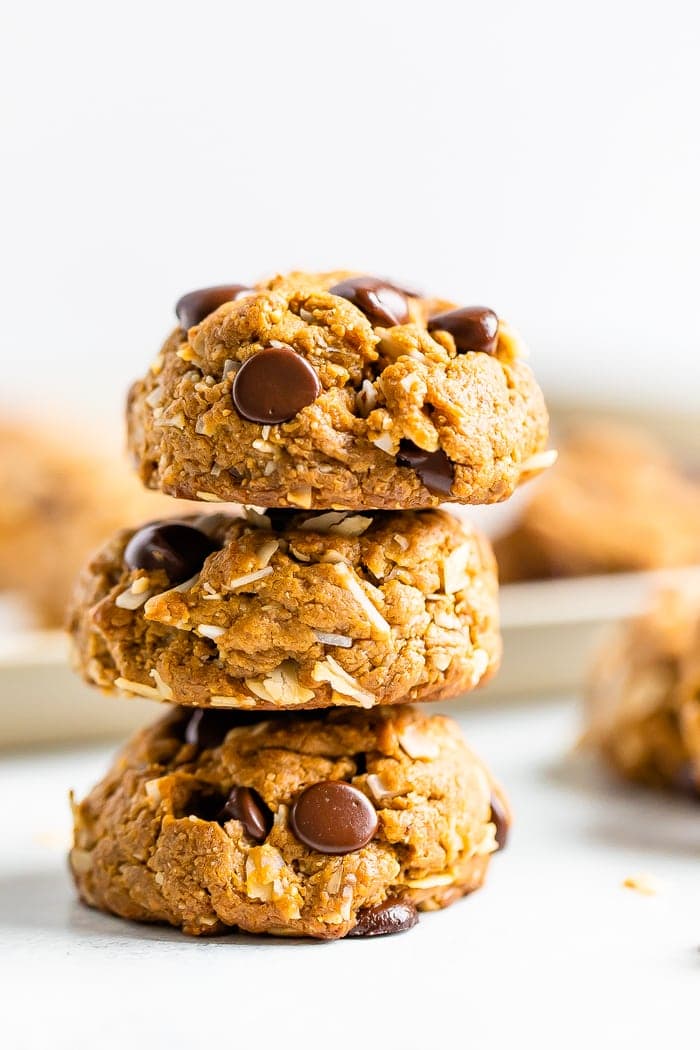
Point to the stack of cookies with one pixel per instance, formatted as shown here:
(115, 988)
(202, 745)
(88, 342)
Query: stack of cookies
(289, 789)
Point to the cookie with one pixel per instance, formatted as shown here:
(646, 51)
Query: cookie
(347, 823)
(643, 700)
(57, 505)
(290, 609)
(615, 501)
(331, 391)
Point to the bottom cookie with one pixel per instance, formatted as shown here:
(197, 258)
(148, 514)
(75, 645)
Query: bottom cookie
(643, 702)
(307, 824)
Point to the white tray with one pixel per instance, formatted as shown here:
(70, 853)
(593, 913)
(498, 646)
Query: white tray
(549, 628)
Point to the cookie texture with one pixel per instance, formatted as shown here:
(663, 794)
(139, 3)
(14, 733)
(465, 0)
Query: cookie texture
(643, 700)
(307, 391)
(57, 505)
(168, 835)
(291, 610)
(615, 501)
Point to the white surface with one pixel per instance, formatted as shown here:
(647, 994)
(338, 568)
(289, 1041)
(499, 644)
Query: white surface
(540, 157)
(553, 952)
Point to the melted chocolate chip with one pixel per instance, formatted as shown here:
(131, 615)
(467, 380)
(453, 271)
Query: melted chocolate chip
(207, 727)
(393, 916)
(192, 308)
(179, 549)
(273, 385)
(434, 469)
(381, 302)
(245, 804)
(472, 328)
(333, 817)
(499, 819)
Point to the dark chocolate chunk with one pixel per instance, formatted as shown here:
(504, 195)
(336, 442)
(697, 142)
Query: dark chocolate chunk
(499, 819)
(393, 916)
(179, 549)
(274, 385)
(245, 804)
(434, 469)
(472, 328)
(208, 726)
(333, 817)
(192, 308)
(381, 302)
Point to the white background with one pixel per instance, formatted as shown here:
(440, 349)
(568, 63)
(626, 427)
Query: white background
(539, 157)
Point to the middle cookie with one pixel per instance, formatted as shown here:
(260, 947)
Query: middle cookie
(290, 610)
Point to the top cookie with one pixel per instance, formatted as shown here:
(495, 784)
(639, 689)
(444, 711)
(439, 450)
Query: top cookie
(328, 391)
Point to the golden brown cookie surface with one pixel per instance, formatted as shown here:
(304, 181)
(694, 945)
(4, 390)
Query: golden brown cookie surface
(61, 497)
(291, 610)
(614, 502)
(332, 391)
(644, 696)
(207, 824)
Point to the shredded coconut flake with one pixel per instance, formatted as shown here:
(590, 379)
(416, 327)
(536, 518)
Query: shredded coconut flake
(264, 553)
(378, 788)
(454, 569)
(209, 497)
(251, 577)
(430, 882)
(342, 640)
(329, 670)
(366, 399)
(131, 599)
(210, 630)
(385, 442)
(138, 688)
(300, 497)
(401, 541)
(281, 686)
(540, 461)
(418, 744)
(164, 690)
(380, 628)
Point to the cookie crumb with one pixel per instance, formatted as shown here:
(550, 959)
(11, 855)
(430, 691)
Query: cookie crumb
(644, 884)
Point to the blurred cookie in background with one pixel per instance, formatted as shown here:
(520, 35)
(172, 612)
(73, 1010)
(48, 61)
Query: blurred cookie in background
(59, 500)
(615, 501)
(643, 697)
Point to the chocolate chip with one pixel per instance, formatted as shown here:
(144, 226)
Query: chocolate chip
(179, 549)
(382, 303)
(472, 328)
(499, 819)
(333, 817)
(245, 804)
(434, 469)
(273, 385)
(204, 802)
(393, 916)
(207, 727)
(195, 306)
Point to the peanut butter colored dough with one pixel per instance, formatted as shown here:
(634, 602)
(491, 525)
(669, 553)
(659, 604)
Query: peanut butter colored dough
(614, 502)
(332, 609)
(148, 845)
(383, 391)
(644, 696)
